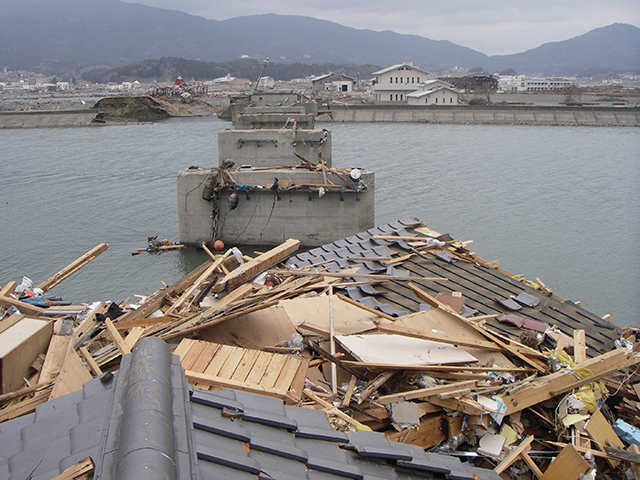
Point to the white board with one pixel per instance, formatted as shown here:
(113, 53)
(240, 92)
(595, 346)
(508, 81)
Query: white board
(401, 350)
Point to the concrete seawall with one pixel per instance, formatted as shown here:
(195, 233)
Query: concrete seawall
(464, 114)
(48, 119)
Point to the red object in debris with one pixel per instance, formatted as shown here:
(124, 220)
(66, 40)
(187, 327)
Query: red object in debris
(218, 245)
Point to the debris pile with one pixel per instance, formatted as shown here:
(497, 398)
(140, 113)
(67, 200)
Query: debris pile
(398, 330)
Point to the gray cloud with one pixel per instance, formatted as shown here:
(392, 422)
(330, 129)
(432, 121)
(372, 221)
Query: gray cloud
(494, 28)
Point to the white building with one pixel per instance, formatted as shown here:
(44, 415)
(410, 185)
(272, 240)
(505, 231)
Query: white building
(332, 82)
(393, 84)
(520, 83)
(434, 92)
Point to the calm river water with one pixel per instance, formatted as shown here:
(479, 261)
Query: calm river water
(559, 203)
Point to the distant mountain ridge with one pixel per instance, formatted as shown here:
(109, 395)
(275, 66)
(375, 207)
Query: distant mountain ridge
(63, 36)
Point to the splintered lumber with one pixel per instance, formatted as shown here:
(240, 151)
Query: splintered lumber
(5, 397)
(568, 465)
(562, 381)
(424, 393)
(119, 342)
(524, 447)
(430, 432)
(8, 289)
(201, 279)
(377, 277)
(25, 308)
(155, 301)
(81, 470)
(579, 346)
(375, 384)
(93, 366)
(241, 274)
(331, 410)
(73, 267)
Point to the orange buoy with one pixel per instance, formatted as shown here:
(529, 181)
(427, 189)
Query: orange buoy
(218, 245)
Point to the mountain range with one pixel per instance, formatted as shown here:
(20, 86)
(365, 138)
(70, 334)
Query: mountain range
(67, 37)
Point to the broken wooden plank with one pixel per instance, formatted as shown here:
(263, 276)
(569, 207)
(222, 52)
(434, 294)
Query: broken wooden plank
(73, 267)
(579, 346)
(241, 274)
(374, 385)
(524, 446)
(119, 342)
(25, 308)
(80, 471)
(372, 276)
(331, 410)
(430, 432)
(560, 382)
(424, 393)
(93, 366)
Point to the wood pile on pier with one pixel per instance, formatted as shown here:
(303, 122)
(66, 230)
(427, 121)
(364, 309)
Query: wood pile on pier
(393, 331)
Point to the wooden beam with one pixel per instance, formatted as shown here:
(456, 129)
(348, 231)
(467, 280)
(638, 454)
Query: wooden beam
(241, 274)
(425, 393)
(383, 278)
(579, 346)
(560, 382)
(524, 447)
(122, 347)
(364, 307)
(439, 337)
(81, 470)
(93, 366)
(73, 267)
(25, 308)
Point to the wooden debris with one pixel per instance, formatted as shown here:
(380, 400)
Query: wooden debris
(73, 267)
(267, 329)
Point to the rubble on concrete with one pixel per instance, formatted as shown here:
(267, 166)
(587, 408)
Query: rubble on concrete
(399, 330)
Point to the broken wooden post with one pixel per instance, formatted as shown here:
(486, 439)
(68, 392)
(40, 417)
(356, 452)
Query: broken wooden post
(73, 267)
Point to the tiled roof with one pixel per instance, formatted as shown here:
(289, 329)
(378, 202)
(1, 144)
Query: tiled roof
(145, 422)
(486, 291)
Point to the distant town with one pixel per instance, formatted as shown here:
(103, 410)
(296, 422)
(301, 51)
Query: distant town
(401, 84)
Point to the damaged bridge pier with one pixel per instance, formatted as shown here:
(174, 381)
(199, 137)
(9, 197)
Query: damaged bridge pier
(274, 181)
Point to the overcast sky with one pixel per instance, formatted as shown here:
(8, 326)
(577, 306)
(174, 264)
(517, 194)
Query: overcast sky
(495, 28)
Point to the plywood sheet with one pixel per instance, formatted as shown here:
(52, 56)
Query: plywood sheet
(568, 465)
(314, 312)
(602, 433)
(400, 350)
(263, 328)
